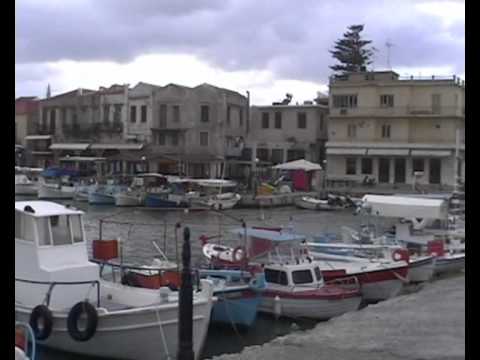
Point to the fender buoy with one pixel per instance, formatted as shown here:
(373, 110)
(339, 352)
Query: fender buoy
(91, 321)
(238, 254)
(41, 322)
(401, 255)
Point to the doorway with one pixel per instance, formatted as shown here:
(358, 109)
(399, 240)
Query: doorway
(383, 170)
(400, 172)
(435, 171)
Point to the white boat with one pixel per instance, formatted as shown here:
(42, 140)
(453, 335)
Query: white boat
(299, 291)
(25, 186)
(311, 203)
(122, 322)
(449, 263)
(55, 188)
(214, 197)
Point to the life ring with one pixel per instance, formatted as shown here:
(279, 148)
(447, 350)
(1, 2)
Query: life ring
(401, 255)
(91, 321)
(41, 314)
(238, 254)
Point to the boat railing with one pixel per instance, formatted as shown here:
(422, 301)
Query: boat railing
(52, 285)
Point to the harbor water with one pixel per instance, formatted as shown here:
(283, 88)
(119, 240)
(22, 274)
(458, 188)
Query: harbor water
(137, 228)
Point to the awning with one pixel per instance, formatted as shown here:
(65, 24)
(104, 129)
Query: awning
(38, 137)
(82, 158)
(116, 146)
(432, 153)
(42, 153)
(396, 152)
(346, 151)
(69, 146)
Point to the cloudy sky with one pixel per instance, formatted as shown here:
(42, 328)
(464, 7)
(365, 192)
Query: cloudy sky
(268, 47)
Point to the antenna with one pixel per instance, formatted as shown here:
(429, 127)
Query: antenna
(389, 45)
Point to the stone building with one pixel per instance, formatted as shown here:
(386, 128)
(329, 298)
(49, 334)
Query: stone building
(26, 124)
(396, 130)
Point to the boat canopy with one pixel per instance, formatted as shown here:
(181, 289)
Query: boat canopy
(44, 208)
(301, 164)
(405, 207)
(271, 235)
(215, 183)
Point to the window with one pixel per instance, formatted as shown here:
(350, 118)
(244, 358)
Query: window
(302, 277)
(386, 131)
(277, 156)
(276, 277)
(352, 130)
(418, 165)
(161, 139)
(24, 227)
(386, 101)
(117, 113)
(295, 155)
(240, 118)
(106, 113)
(133, 114)
(345, 101)
(318, 273)
(43, 231)
(76, 225)
(176, 113)
(203, 138)
(175, 139)
(278, 120)
(229, 114)
(262, 154)
(143, 113)
(367, 166)
(302, 120)
(163, 116)
(205, 113)
(265, 120)
(351, 166)
(60, 230)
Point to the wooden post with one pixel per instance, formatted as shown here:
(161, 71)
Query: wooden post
(185, 304)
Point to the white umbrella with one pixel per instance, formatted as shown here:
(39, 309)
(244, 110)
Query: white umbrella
(301, 164)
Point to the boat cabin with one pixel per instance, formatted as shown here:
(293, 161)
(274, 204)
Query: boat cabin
(301, 276)
(50, 247)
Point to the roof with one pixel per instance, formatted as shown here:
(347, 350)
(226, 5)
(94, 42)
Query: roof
(116, 146)
(279, 236)
(38, 137)
(45, 208)
(301, 164)
(405, 207)
(69, 146)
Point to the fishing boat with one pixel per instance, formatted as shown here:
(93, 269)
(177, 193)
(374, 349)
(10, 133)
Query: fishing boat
(134, 195)
(165, 191)
(295, 286)
(212, 194)
(104, 194)
(25, 186)
(71, 308)
(415, 214)
(311, 203)
(57, 183)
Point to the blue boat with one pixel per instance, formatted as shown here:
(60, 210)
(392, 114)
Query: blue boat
(237, 295)
(163, 200)
(104, 195)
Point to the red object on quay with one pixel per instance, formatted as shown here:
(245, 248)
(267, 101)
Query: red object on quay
(105, 249)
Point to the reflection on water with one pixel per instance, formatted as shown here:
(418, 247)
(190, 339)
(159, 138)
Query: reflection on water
(137, 247)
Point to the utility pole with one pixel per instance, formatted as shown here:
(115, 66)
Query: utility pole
(185, 304)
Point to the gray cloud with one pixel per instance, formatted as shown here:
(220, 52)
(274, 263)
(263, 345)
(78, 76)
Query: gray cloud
(290, 38)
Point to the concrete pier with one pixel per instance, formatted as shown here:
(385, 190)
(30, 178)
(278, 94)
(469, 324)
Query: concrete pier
(428, 324)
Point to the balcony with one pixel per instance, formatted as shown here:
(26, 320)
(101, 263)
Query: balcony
(421, 111)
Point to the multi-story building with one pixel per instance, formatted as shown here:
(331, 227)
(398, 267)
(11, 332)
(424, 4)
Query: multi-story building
(26, 123)
(396, 130)
(280, 133)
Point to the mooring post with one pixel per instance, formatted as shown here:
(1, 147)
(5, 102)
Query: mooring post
(185, 304)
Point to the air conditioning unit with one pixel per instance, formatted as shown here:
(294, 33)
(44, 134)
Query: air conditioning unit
(343, 111)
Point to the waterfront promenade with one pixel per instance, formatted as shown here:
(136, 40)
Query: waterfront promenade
(428, 324)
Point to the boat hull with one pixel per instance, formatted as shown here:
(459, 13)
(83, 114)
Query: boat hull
(236, 307)
(48, 192)
(26, 189)
(95, 198)
(314, 205)
(155, 201)
(130, 334)
(421, 270)
(449, 264)
(128, 200)
(314, 308)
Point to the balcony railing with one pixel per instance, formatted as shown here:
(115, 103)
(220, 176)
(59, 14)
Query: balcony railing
(399, 111)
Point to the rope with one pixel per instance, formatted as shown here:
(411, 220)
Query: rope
(162, 334)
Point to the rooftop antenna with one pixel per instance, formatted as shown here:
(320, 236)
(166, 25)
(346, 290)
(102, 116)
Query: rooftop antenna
(389, 45)
(375, 50)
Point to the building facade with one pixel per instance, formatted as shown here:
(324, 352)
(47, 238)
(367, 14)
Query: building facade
(26, 123)
(396, 130)
(280, 133)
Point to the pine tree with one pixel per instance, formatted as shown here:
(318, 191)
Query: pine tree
(351, 51)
